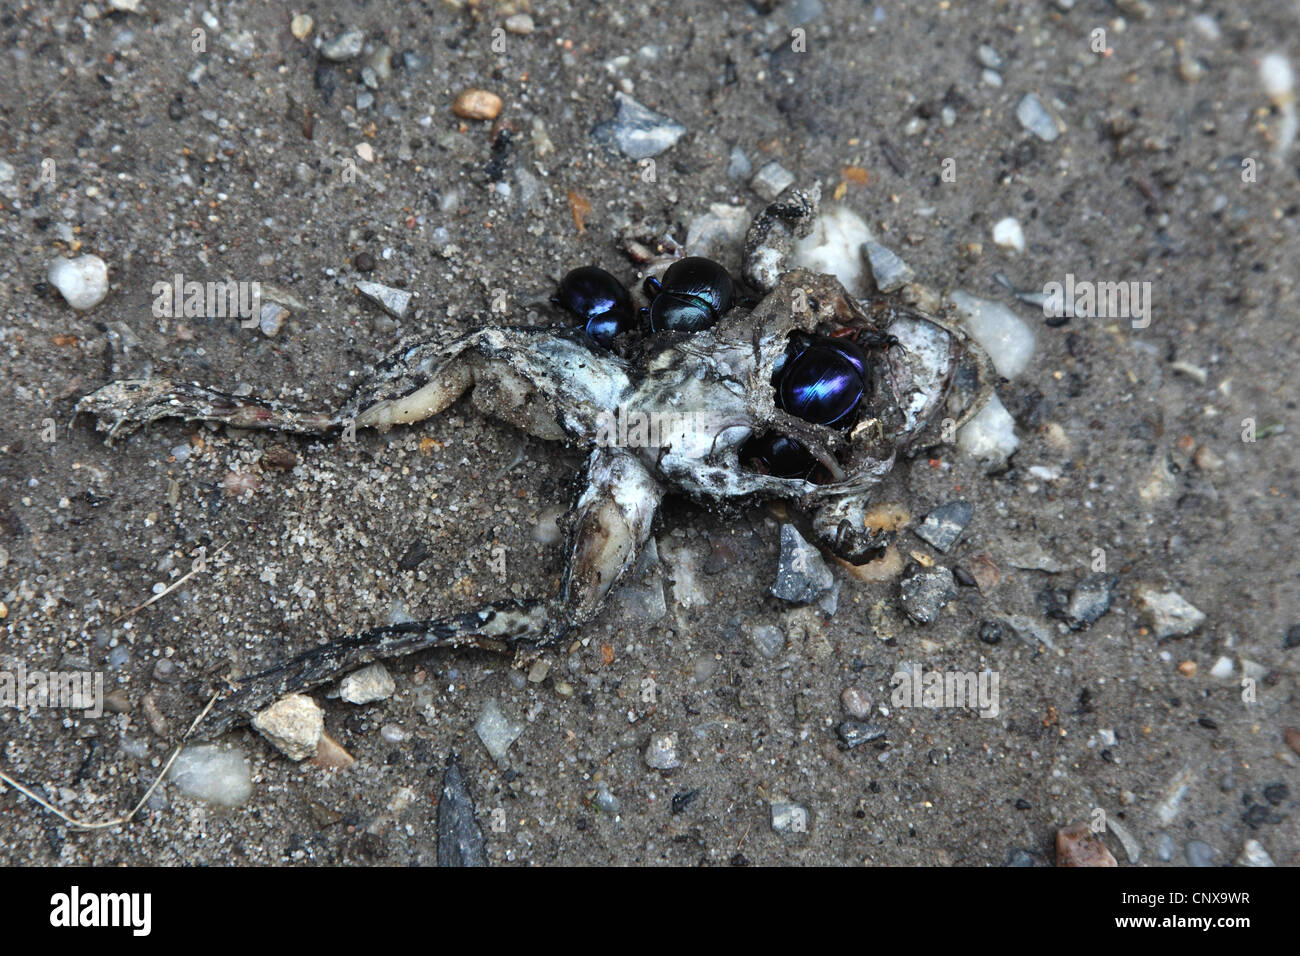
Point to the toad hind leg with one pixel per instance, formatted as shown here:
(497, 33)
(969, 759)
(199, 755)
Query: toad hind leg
(550, 382)
(612, 519)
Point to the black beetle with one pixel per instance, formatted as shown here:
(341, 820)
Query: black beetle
(694, 294)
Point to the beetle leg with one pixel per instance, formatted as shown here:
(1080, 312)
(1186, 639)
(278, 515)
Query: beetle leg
(612, 518)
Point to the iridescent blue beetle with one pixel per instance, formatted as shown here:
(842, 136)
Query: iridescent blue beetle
(598, 298)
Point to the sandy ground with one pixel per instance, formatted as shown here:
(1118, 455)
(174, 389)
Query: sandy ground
(170, 161)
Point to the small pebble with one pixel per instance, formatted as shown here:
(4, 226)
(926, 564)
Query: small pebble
(537, 673)
(637, 131)
(1165, 847)
(788, 817)
(271, 318)
(989, 57)
(802, 576)
(772, 180)
(768, 640)
(1167, 613)
(738, 165)
(606, 801)
(661, 752)
(926, 592)
(520, 24)
(945, 524)
(1254, 854)
(300, 26)
(1078, 846)
(1199, 853)
(1007, 232)
(392, 734)
(83, 282)
(1089, 600)
(293, 724)
(856, 702)
(213, 774)
(888, 270)
(393, 301)
(495, 730)
(477, 105)
(717, 232)
(835, 246)
(1005, 336)
(856, 732)
(1037, 119)
(367, 685)
(343, 47)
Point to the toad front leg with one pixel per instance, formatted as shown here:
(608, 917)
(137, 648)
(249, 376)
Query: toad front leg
(612, 519)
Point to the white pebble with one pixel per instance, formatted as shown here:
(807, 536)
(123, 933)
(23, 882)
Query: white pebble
(991, 435)
(367, 685)
(1222, 668)
(1006, 338)
(1276, 77)
(1007, 232)
(834, 247)
(83, 282)
(212, 774)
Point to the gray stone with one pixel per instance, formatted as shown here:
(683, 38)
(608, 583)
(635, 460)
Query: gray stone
(738, 164)
(944, 525)
(1165, 847)
(1167, 613)
(1089, 600)
(393, 301)
(271, 319)
(496, 730)
(989, 57)
(637, 131)
(768, 640)
(718, 232)
(1199, 853)
(772, 180)
(789, 817)
(344, 46)
(1036, 118)
(661, 752)
(802, 576)
(890, 272)
(925, 593)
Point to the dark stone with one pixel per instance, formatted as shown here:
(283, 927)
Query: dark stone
(944, 525)
(855, 732)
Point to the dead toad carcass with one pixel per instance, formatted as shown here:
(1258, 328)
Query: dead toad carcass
(710, 392)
